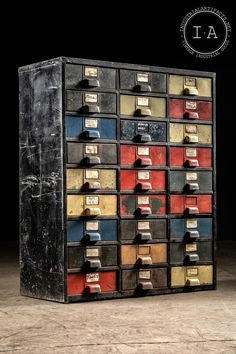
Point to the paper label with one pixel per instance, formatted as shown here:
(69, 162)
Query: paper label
(191, 176)
(90, 72)
(191, 129)
(191, 247)
(91, 123)
(91, 174)
(143, 127)
(143, 200)
(143, 151)
(142, 77)
(191, 224)
(92, 277)
(143, 101)
(191, 152)
(191, 81)
(91, 149)
(143, 225)
(190, 105)
(192, 271)
(90, 98)
(92, 200)
(144, 274)
(91, 225)
(92, 252)
(143, 175)
(144, 250)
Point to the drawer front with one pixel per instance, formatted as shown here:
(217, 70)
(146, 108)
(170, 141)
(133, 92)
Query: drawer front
(186, 85)
(142, 205)
(191, 253)
(191, 276)
(190, 133)
(85, 283)
(91, 154)
(143, 254)
(142, 230)
(90, 179)
(90, 102)
(190, 109)
(142, 180)
(190, 229)
(190, 157)
(92, 256)
(91, 205)
(142, 106)
(92, 230)
(87, 128)
(143, 131)
(190, 181)
(144, 279)
(199, 204)
(139, 81)
(89, 77)
(142, 156)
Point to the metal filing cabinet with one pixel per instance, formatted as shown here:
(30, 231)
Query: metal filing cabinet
(117, 180)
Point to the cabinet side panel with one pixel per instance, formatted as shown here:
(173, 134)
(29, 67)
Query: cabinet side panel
(41, 182)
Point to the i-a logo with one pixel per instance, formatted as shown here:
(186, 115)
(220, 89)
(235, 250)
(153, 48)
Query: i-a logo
(205, 32)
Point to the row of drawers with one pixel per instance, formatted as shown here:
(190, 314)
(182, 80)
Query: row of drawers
(136, 205)
(137, 106)
(138, 180)
(79, 76)
(136, 131)
(139, 279)
(181, 230)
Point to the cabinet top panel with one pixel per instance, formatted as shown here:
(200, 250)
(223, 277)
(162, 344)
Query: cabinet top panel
(116, 65)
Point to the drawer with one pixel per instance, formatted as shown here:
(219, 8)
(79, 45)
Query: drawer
(142, 180)
(186, 109)
(81, 76)
(191, 276)
(190, 157)
(91, 205)
(190, 181)
(191, 205)
(144, 279)
(190, 133)
(139, 81)
(91, 154)
(142, 106)
(190, 253)
(90, 102)
(90, 179)
(87, 128)
(193, 86)
(91, 231)
(142, 131)
(143, 254)
(142, 230)
(142, 156)
(142, 205)
(92, 283)
(92, 256)
(190, 229)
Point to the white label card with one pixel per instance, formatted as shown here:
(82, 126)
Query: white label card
(90, 71)
(143, 225)
(191, 81)
(191, 176)
(191, 224)
(92, 277)
(91, 149)
(92, 225)
(92, 252)
(92, 200)
(91, 123)
(190, 105)
(192, 271)
(90, 98)
(143, 200)
(143, 101)
(91, 174)
(191, 152)
(191, 247)
(142, 77)
(143, 175)
(144, 274)
(191, 129)
(143, 151)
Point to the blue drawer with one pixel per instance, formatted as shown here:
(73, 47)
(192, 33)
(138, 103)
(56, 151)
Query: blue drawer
(191, 228)
(92, 230)
(88, 128)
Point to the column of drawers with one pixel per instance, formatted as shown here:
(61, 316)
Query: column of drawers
(190, 181)
(92, 180)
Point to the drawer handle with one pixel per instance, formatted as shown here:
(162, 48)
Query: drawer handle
(191, 258)
(143, 138)
(143, 112)
(191, 139)
(191, 163)
(191, 115)
(142, 88)
(145, 260)
(192, 282)
(192, 210)
(145, 285)
(93, 263)
(92, 134)
(144, 186)
(93, 236)
(144, 161)
(192, 91)
(144, 211)
(90, 109)
(90, 83)
(144, 236)
(92, 211)
(93, 288)
(92, 160)
(92, 185)
(192, 235)
(192, 187)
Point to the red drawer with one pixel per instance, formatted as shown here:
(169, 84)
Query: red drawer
(92, 283)
(190, 157)
(142, 205)
(198, 204)
(188, 109)
(142, 180)
(141, 156)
